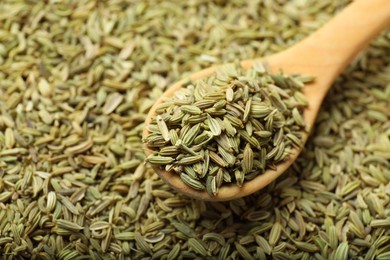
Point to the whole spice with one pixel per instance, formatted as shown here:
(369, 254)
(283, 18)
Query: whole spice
(232, 126)
(68, 57)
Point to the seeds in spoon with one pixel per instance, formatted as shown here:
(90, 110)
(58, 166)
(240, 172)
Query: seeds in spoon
(252, 125)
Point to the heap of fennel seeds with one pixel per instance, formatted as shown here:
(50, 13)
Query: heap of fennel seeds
(228, 128)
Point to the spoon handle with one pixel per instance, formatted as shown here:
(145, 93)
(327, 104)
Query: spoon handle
(327, 52)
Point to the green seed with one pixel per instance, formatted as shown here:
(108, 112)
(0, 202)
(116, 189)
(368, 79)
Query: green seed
(214, 126)
(163, 128)
(247, 160)
(193, 110)
(160, 160)
(342, 251)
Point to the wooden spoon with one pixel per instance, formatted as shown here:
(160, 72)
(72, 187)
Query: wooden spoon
(324, 55)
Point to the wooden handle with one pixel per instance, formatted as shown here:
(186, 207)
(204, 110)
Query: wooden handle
(327, 52)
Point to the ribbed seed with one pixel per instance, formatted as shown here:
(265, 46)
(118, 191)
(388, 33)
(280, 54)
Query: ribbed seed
(163, 127)
(214, 126)
(247, 160)
(193, 183)
(342, 251)
(197, 246)
(275, 233)
(142, 244)
(174, 253)
(160, 160)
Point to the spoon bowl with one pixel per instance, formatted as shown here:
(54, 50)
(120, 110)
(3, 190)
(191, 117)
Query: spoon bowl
(323, 55)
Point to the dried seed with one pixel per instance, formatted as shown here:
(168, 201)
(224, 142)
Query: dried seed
(59, 90)
(214, 237)
(193, 183)
(174, 253)
(379, 223)
(190, 160)
(342, 251)
(227, 156)
(173, 136)
(9, 138)
(247, 112)
(82, 147)
(51, 201)
(197, 246)
(112, 102)
(99, 225)
(214, 126)
(311, 248)
(125, 236)
(160, 160)
(275, 233)
(142, 244)
(263, 243)
(243, 252)
(68, 225)
(190, 136)
(183, 228)
(247, 161)
(163, 128)
(193, 110)
(44, 88)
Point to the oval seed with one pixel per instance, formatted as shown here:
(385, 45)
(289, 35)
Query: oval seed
(197, 246)
(125, 236)
(154, 238)
(174, 253)
(193, 183)
(142, 244)
(160, 160)
(214, 126)
(51, 201)
(263, 243)
(68, 225)
(112, 102)
(162, 126)
(193, 110)
(247, 112)
(9, 138)
(247, 160)
(243, 252)
(342, 251)
(275, 233)
(311, 248)
(44, 88)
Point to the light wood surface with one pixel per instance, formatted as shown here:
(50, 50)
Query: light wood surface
(324, 55)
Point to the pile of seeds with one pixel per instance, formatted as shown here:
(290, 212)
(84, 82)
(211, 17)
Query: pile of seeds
(229, 127)
(77, 78)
